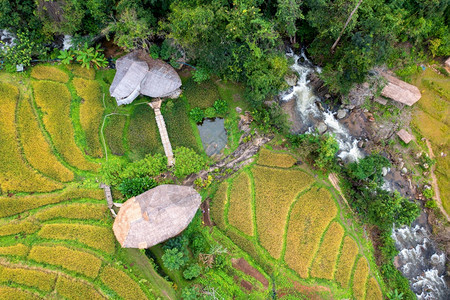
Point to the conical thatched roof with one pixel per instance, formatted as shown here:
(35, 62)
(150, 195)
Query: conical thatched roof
(155, 216)
(137, 73)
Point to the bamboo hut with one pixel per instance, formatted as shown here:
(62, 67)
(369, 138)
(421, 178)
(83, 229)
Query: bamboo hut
(138, 73)
(155, 216)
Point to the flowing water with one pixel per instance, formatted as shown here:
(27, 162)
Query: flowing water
(419, 260)
(7, 38)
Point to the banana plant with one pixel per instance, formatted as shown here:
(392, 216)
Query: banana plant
(66, 56)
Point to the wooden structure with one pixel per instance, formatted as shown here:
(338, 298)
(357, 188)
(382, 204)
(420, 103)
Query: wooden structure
(405, 136)
(156, 215)
(400, 91)
(156, 105)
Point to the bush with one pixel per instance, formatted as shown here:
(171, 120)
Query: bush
(210, 112)
(42, 72)
(174, 259)
(198, 243)
(193, 271)
(200, 75)
(77, 289)
(221, 107)
(131, 187)
(37, 278)
(191, 293)
(154, 51)
(187, 161)
(197, 115)
(179, 242)
(121, 283)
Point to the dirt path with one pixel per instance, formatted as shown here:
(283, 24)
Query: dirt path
(205, 213)
(437, 194)
(242, 265)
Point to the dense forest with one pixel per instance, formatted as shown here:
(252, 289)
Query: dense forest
(242, 40)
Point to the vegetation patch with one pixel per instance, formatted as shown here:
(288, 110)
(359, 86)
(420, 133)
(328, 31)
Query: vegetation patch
(360, 278)
(271, 159)
(73, 260)
(324, 263)
(143, 135)
(240, 213)
(308, 220)
(54, 101)
(36, 148)
(275, 190)
(77, 289)
(433, 129)
(97, 237)
(81, 71)
(15, 175)
(218, 206)
(373, 290)
(15, 250)
(79, 211)
(91, 111)
(346, 261)
(37, 278)
(43, 72)
(200, 95)
(18, 227)
(119, 282)
(10, 206)
(113, 132)
(10, 293)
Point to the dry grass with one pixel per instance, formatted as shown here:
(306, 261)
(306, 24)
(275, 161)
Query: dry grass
(373, 290)
(42, 72)
(240, 213)
(77, 289)
(360, 278)
(91, 112)
(16, 227)
(123, 285)
(97, 237)
(275, 190)
(218, 206)
(78, 211)
(16, 250)
(15, 175)
(10, 293)
(271, 159)
(346, 262)
(37, 278)
(309, 218)
(73, 260)
(36, 149)
(54, 100)
(10, 206)
(324, 264)
(80, 71)
(431, 128)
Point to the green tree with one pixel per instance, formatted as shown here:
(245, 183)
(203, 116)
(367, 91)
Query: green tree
(174, 259)
(193, 271)
(131, 187)
(289, 12)
(187, 161)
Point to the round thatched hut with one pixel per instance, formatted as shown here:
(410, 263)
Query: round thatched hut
(155, 216)
(138, 73)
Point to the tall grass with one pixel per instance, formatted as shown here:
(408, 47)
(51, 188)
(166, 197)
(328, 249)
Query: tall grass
(240, 213)
(113, 131)
(218, 206)
(42, 72)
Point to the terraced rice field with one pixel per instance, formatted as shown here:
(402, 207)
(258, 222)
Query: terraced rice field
(297, 225)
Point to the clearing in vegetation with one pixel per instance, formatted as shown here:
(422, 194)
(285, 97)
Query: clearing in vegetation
(240, 213)
(36, 148)
(54, 101)
(346, 261)
(91, 112)
(43, 72)
(15, 174)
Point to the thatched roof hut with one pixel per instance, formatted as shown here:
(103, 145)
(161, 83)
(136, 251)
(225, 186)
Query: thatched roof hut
(138, 73)
(400, 91)
(155, 216)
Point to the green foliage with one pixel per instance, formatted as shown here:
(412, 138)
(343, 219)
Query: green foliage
(191, 293)
(200, 75)
(87, 56)
(197, 243)
(154, 51)
(131, 187)
(197, 115)
(428, 193)
(174, 259)
(187, 161)
(221, 107)
(271, 119)
(193, 271)
(21, 53)
(220, 261)
(210, 112)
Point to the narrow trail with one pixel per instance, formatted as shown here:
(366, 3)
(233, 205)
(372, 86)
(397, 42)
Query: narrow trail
(437, 194)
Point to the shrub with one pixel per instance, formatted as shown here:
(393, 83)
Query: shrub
(373, 290)
(18, 227)
(200, 75)
(198, 243)
(91, 112)
(324, 263)
(174, 259)
(308, 220)
(10, 293)
(113, 132)
(346, 262)
(197, 115)
(275, 190)
(131, 187)
(193, 271)
(37, 278)
(10, 206)
(154, 51)
(42, 72)
(54, 101)
(96, 237)
(271, 159)
(210, 112)
(73, 260)
(77, 289)
(79, 211)
(218, 206)
(360, 278)
(191, 293)
(240, 213)
(36, 149)
(221, 107)
(121, 283)
(15, 250)
(15, 175)
(187, 161)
